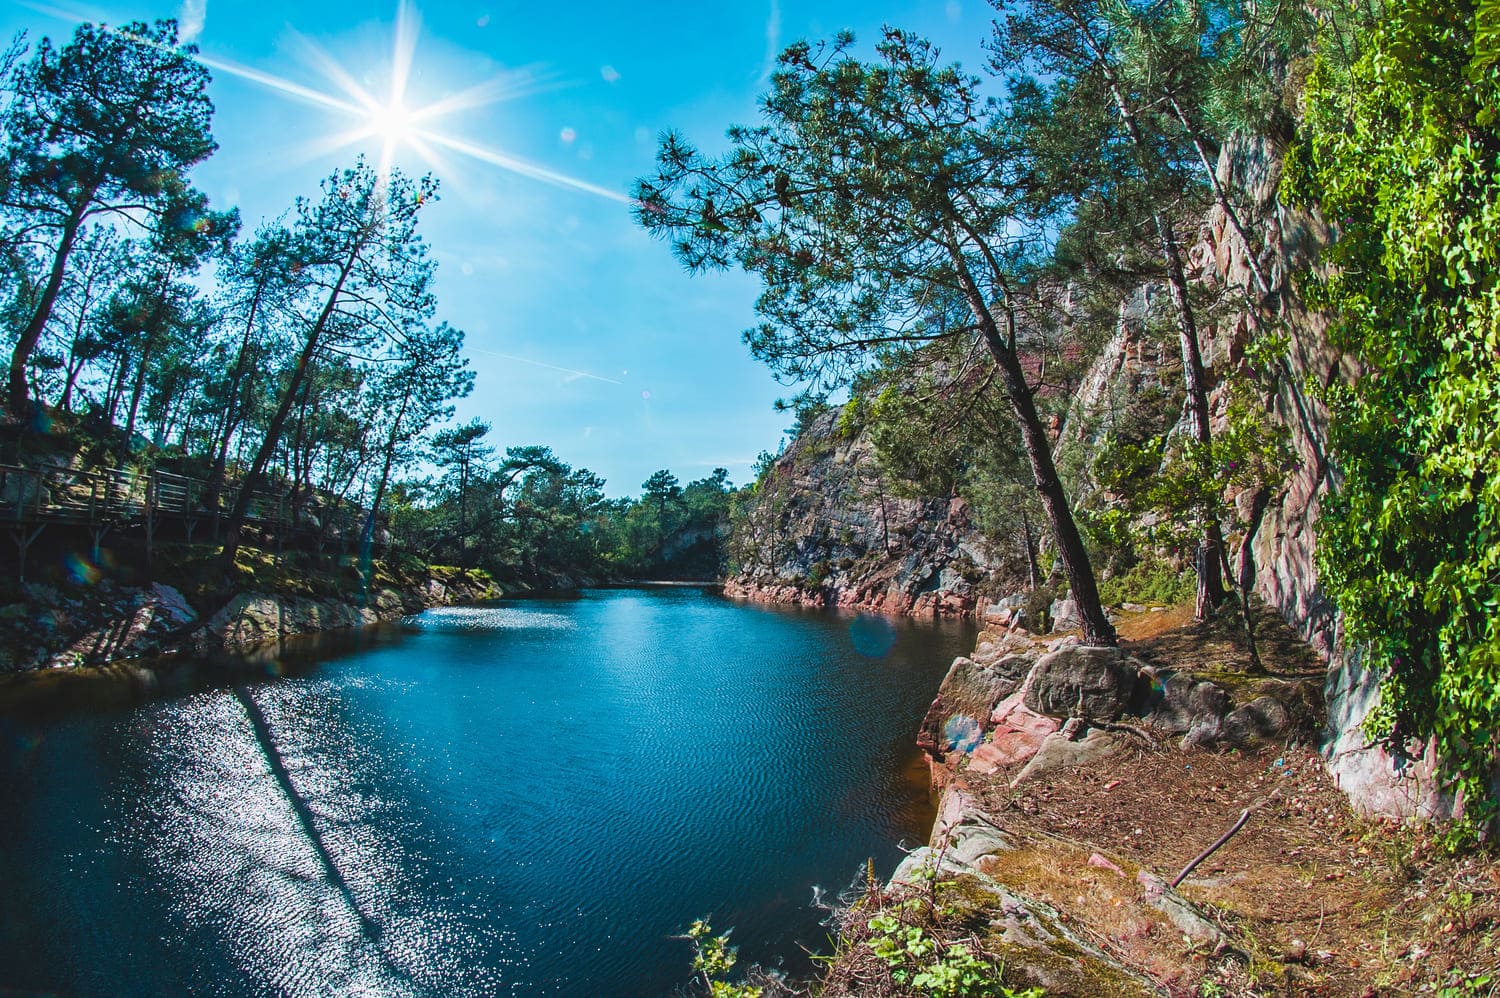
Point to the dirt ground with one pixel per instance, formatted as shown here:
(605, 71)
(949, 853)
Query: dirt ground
(1313, 899)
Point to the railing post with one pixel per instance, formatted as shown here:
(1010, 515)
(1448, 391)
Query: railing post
(150, 524)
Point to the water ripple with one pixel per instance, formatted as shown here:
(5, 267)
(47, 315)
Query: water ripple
(494, 618)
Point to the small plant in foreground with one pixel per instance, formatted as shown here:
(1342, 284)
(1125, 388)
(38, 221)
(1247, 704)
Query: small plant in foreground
(926, 964)
(713, 958)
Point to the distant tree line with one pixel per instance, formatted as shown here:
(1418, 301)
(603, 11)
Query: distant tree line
(529, 518)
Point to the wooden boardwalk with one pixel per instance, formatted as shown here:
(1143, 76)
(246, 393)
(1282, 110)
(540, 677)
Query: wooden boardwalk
(105, 500)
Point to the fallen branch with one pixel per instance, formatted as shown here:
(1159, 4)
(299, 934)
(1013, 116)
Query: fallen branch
(1219, 842)
(1129, 729)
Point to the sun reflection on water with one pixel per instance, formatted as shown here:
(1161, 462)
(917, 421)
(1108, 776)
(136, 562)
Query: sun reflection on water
(267, 826)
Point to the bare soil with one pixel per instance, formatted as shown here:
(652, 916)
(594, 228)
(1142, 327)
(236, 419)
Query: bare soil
(1314, 899)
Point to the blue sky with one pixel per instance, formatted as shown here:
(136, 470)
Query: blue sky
(584, 334)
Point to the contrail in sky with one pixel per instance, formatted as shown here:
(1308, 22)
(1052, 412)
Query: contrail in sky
(550, 367)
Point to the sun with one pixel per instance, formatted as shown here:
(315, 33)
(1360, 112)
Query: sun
(399, 127)
(393, 122)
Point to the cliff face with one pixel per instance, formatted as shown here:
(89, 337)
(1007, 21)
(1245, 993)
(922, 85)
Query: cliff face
(1284, 547)
(826, 529)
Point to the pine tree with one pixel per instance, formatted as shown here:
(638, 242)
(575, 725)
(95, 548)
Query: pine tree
(875, 201)
(109, 124)
(366, 278)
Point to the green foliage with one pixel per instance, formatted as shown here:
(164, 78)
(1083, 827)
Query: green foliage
(852, 418)
(104, 127)
(1164, 487)
(1400, 149)
(931, 966)
(818, 574)
(713, 958)
(882, 203)
(1149, 581)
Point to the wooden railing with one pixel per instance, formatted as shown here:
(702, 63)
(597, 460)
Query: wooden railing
(107, 500)
(110, 497)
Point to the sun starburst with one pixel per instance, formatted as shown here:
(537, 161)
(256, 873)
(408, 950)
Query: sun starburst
(394, 123)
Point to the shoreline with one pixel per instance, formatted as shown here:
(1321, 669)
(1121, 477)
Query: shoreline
(934, 605)
(62, 628)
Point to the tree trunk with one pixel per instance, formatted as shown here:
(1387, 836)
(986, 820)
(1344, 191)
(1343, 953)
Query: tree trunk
(233, 410)
(1245, 577)
(117, 376)
(65, 403)
(1097, 630)
(31, 334)
(74, 365)
(135, 392)
(367, 535)
(1222, 197)
(268, 446)
(295, 456)
(1033, 569)
(1210, 582)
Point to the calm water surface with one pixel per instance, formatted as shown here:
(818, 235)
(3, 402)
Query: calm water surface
(530, 798)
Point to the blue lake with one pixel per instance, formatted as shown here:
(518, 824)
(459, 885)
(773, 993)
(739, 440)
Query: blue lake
(528, 798)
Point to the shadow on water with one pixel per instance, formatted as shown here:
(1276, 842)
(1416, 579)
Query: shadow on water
(267, 742)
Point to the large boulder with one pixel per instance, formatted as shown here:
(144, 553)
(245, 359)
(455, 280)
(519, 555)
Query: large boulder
(1065, 615)
(1263, 717)
(1058, 751)
(1016, 735)
(136, 624)
(1083, 681)
(960, 715)
(251, 620)
(1013, 648)
(1182, 702)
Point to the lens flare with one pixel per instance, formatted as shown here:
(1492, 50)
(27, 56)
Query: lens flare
(962, 733)
(80, 569)
(872, 636)
(394, 123)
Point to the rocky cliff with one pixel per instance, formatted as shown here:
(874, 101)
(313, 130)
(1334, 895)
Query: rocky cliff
(1283, 548)
(827, 528)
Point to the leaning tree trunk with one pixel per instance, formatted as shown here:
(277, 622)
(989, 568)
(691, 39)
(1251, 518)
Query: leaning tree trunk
(137, 390)
(1097, 630)
(233, 408)
(1231, 216)
(31, 334)
(1033, 569)
(272, 439)
(367, 534)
